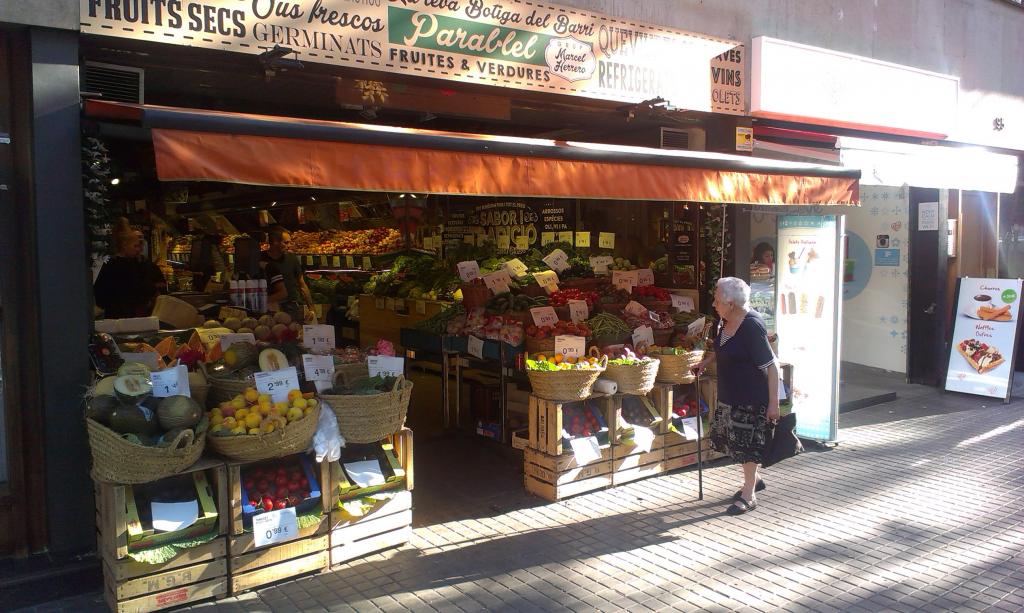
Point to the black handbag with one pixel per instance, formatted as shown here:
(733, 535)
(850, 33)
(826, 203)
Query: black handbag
(782, 441)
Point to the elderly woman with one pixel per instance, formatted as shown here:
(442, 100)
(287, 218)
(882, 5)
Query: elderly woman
(748, 386)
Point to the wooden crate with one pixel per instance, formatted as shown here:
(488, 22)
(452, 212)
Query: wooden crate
(680, 452)
(662, 395)
(397, 450)
(387, 525)
(554, 477)
(545, 425)
(624, 430)
(638, 465)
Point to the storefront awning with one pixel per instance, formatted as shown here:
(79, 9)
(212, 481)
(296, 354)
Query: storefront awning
(199, 145)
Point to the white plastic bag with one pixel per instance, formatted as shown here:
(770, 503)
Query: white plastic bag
(327, 442)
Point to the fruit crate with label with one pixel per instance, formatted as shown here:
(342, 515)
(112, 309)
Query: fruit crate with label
(278, 526)
(146, 569)
(678, 403)
(551, 468)
(371, 516)
(639, 449)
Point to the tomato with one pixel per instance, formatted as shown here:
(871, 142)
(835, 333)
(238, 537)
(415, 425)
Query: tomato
(268, 504)
(280, 504)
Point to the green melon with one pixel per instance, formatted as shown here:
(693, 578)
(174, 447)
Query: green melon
(101, 408)
(132, 419)
(133, 388)
(178, 412)
(272, 359)
(105, 386)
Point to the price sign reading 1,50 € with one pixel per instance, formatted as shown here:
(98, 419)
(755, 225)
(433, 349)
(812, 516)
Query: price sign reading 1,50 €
(318, 337)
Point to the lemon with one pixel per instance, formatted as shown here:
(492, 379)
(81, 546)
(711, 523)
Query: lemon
(251, 395)
(299, 403)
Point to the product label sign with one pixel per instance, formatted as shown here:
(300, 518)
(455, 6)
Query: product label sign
(498, 281)
(522, 243)
(350, 261)
(586, 449)
(565, 237)
(515, 268)
(690, 426)
(320, 337)
(643, 335)
(546, 238)
(469, 270)
(601, 263)
(578, 311)
(171, 382)
(571, 346)
(475, 347)
(624, 279)
(644, 276)
(583, 239)
(272, 527)
(635, 308)
(277, 383)
(318, 367)
(557, 260)
(696, 327)
(544, 316)
(682, 304)
(236, 337)
(606, 240)
(385, 366)
(546, 279)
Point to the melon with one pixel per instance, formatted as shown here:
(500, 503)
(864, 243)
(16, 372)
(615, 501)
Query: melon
(272, 359)
(262, 333)
(250, 322)
(211, 323)
(132, 388)
(178, 412)
(295, 327)
(196, 379)
(245, 330)
(266, 320)
(278, 329)
(100, 408)
(169, 436)
(105, 386)
(239, 355)
(282, 318)
(131, 419)
(133, 368)
(233, 323)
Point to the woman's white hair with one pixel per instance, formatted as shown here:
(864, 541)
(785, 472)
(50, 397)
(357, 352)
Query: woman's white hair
(735, 291)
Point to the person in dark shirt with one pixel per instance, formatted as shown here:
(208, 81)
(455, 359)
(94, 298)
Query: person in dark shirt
(748, 386)
(288, 267)
(128, 284)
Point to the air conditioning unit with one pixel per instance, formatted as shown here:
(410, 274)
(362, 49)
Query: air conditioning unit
(689, 139)
(113, 82)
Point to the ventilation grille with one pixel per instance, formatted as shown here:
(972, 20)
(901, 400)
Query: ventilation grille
(114, 83)
(688, 140)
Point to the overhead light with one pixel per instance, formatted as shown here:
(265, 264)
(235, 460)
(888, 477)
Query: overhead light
(274, 203)
(401, 195)
(413, 195)
(313, 198)
(115, 181)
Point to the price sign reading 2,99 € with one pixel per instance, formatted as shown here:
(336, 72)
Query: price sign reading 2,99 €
(277, 383)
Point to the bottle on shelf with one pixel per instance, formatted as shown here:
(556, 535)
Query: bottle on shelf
(235, 293)
(262, 303)
(252, 292)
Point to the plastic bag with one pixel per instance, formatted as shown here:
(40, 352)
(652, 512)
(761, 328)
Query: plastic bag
(328, 441)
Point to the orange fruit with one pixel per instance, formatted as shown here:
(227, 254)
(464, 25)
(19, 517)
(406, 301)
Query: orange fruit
(570, 360)
(559, 358)
(541, 357)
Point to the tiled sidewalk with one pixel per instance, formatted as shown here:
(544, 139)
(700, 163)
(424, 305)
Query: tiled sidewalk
(919, 513)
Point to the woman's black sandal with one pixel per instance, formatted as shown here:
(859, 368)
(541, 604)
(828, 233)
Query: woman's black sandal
(740, 507)
(758, 487)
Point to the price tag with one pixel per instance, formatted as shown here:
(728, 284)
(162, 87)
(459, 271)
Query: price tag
(557, 260)
(579, 311)
(318, 367)
(643, 334)
(209, 336)
(318, 337)
(421, 307)
(546, 238)
(544, 316)
(149, 358)
(644, 276)
(498, 281)
(367, 263)
(237, 337)
(606, 240)
(515, 268)
(272, 527)
(546, 278)
(335, 261)
(682, 303)
(385, 366)
(323, 260)
(571, 346)
(171, 382)
(309, 260)
(522, 243)
(695, 328)
(475, 347)
(600, 263)
(690, 426)
(469, 270)
(643, 438)
(350, 262)
(624, 279)
(277, 383)
(504, 242)
(583, 239)
(635, 308)
(654, 316)
(565, 237)
(586, 450)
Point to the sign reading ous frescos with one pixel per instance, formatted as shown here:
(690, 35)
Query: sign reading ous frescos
(985, 328)
(510, 43)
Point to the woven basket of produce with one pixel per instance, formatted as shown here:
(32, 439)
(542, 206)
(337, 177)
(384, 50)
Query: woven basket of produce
(285, 439)
(540, 345)
(663, 337)
(474, 295)
(568, 385)
(677, 367)
(348, 373)
(633, 375)
(368, 418)
(586, 283)
(118, 460)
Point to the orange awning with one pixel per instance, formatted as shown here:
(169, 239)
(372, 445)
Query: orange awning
(211, 146)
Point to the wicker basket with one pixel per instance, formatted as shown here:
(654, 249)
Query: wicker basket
(223, 390)
(368, 419)
(351, 372)
(635, 379)
(540, 345)
(663, 337)
(565, 385)
(293, 438)
(116, 460)
(679, 368)
(474, 296)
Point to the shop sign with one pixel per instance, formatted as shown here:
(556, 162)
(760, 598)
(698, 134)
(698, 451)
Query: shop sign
(514, 227)
(985, 329)
(516, 44)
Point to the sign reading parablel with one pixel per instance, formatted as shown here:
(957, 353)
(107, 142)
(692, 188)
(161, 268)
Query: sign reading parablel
(507, 43)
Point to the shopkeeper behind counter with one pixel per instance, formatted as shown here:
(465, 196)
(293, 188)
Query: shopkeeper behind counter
(286, 285)
(128, 283)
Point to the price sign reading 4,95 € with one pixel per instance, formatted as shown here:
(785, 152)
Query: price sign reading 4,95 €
(171, 382)
(318, 337)
(277, 383)
(318, 367)
(272, 527)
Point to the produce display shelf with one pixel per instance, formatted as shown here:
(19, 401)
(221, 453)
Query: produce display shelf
(369, 262)
(395, 455)
(386, 525)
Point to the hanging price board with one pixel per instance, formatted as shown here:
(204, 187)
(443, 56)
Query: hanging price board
(236, 337)
(385, 366)
(318, 367)
(170, 382)
(635, 308)
(571, 346)
(350, 262)
(643, 334)
(271, 527)
(544, 316)
(515, 268)
(522, 243)
(644, 276)
(606, 240)
(336, 261)
(583, 239)
(367, 263)
(503, 242)
(624, 279)
(469, 270)
(309, 260)
(682, 303)
(475, 347)
(498, 282)
(557, 260)
(277, 383)
(578, 311)
(546, 238)
(318, 337)
(600, 263)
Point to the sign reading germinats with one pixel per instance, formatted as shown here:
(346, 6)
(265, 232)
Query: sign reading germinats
(509, 43)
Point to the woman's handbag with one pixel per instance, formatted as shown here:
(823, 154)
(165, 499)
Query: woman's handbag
(782, 442)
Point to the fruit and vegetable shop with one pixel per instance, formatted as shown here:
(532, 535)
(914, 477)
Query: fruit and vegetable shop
(307, 265)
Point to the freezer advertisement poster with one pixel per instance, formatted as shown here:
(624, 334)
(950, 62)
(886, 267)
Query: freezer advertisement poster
(985, 328)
